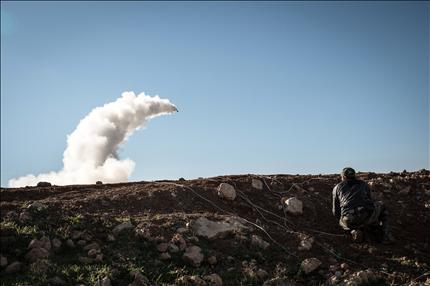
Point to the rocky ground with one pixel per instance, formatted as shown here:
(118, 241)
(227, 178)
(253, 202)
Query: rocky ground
(230, 230)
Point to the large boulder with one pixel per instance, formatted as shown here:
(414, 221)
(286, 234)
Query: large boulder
(226, 191)
(193, 255)
(294, 206)
(211, 230)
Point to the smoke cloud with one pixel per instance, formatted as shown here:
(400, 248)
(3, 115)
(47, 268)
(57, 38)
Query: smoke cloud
(91, 153)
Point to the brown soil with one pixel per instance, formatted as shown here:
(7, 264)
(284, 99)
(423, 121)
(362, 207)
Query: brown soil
(163, 206)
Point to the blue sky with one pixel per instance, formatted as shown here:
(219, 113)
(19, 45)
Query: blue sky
(262, 87)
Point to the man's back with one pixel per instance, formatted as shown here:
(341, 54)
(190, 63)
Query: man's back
(349, 195)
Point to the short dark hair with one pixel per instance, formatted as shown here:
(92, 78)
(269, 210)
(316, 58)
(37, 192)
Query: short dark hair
(348, 173)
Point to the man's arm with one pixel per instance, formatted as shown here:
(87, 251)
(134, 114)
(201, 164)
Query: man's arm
(336, 204)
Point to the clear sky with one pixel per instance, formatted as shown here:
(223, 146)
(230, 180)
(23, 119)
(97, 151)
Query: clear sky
(262, 87)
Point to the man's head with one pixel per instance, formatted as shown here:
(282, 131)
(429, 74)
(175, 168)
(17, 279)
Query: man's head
(348, 173)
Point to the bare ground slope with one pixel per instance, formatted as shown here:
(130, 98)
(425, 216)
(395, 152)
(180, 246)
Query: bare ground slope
(73, 217)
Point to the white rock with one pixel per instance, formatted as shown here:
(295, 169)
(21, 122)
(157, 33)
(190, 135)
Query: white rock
(213, 279)
(3, 261)
(193, 255)
(309, 265)
(257, 184)
(294, 206)
(123, 226)
(226, 191)
(259, 242)
(306, 243)
(216, 229)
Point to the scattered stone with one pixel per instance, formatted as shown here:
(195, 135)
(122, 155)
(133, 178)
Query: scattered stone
(100, 183)
(181, 230)
(13, 267)
(57, 281)
(56, 244)
(70, 243)
(193, 255)
(44, 184)
(405, 191)
(81, 242)
(259, 242)
(93, 245)
(37, 253)
(123, 226)
(294, 206)
(178, 240)
(85, 260)
(216, 229)
(279, 282)
(3, 261)
(76, 234)
(110, 237)
(139, 279)
(173, 248)
(262, 274)
(44, 242)
(99, 258)
(226, 191)
(24, 216)
(165, 256)
(213, 279)
(212, 260)
(257, 184)
(306, 243)
(309, 265)
(191, 280)
(162, 247)
(92, 253)
(363, 277)
(344, 266)
(105, 281)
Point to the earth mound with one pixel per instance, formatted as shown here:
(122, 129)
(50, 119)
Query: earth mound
(227, 230)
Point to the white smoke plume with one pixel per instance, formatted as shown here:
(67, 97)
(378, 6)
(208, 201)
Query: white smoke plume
(91, 153)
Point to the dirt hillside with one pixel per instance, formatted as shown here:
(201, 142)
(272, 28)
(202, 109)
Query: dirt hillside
(189, 232)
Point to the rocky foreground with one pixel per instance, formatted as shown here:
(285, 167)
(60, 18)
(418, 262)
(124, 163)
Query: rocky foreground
(231, 230)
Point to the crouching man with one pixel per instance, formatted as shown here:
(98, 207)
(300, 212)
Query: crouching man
(355, 209)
